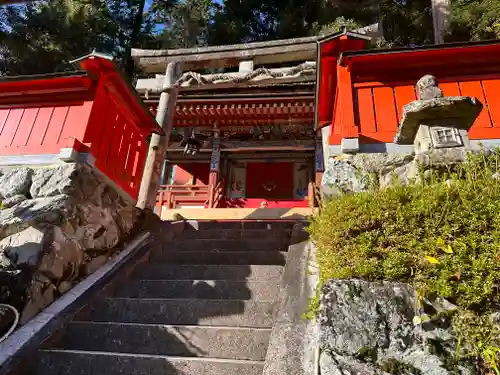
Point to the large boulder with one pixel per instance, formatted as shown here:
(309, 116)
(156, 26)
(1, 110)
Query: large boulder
(51, 181)
(53, 210)
(42, 293)
(17, 181)
(347, 173)
(341, 176)
(357, 173)
(369, 328)
(379, 163)
(58, 224)
(45, 248)
(12, 201)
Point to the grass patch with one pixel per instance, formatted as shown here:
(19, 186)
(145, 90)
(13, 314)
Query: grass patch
(441, 236)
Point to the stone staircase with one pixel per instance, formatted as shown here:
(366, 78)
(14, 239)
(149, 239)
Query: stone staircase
(202, 304)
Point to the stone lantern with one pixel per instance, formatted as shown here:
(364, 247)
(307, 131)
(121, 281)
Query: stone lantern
(434, 121)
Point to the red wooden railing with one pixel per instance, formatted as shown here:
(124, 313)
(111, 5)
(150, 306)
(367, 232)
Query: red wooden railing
(171, 196)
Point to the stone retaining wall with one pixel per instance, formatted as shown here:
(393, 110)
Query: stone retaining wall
(360, 172)
(57, 225)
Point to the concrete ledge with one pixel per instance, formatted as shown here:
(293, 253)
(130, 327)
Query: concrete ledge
(485, 143)
(237, 213)
(71, 155)
(294, 343)
(349, 145)
(27, 339)
(390, 148)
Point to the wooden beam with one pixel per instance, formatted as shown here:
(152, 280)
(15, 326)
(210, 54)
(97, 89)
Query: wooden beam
(242, 146)
(158, 144)
(263, 53)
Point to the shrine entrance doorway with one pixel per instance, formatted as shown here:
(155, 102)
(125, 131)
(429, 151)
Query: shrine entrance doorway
(270, 181)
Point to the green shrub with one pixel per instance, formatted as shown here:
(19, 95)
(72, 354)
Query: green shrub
(443, 237)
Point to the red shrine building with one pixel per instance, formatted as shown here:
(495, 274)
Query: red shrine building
(258, 122)
(268, 124)
(266, 117)
(90, 115)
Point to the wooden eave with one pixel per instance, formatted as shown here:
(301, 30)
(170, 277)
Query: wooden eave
(253, 146)
(275, 89)
(262, 53)
(411, 63)
(243, 111)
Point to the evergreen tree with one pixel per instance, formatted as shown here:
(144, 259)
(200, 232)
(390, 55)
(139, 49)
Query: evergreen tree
(406, 22)
(42, 36)
(183, 24)
(474, 20)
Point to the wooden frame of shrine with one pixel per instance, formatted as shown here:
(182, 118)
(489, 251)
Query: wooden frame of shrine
(256, 126)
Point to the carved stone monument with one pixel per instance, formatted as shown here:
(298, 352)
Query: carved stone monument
(436, 121)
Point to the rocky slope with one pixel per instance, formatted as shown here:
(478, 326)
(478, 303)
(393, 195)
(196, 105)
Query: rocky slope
(57, 224)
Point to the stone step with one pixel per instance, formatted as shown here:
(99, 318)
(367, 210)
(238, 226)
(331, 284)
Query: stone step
(217, 233)
(233, 313)
(242, 244)
(200, 289)
(61, 362)
(220, 257)
(208, 272)
(238, 224)
(184, 341)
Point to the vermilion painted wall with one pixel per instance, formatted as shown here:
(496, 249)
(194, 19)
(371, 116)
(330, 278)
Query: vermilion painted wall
(374, 86)
(43, 130)
(329, 54)
(119, 146)
(378, 108)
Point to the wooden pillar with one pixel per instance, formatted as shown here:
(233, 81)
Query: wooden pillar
(214, 169)
(319, 166)
(440, 12)
(158, 145)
